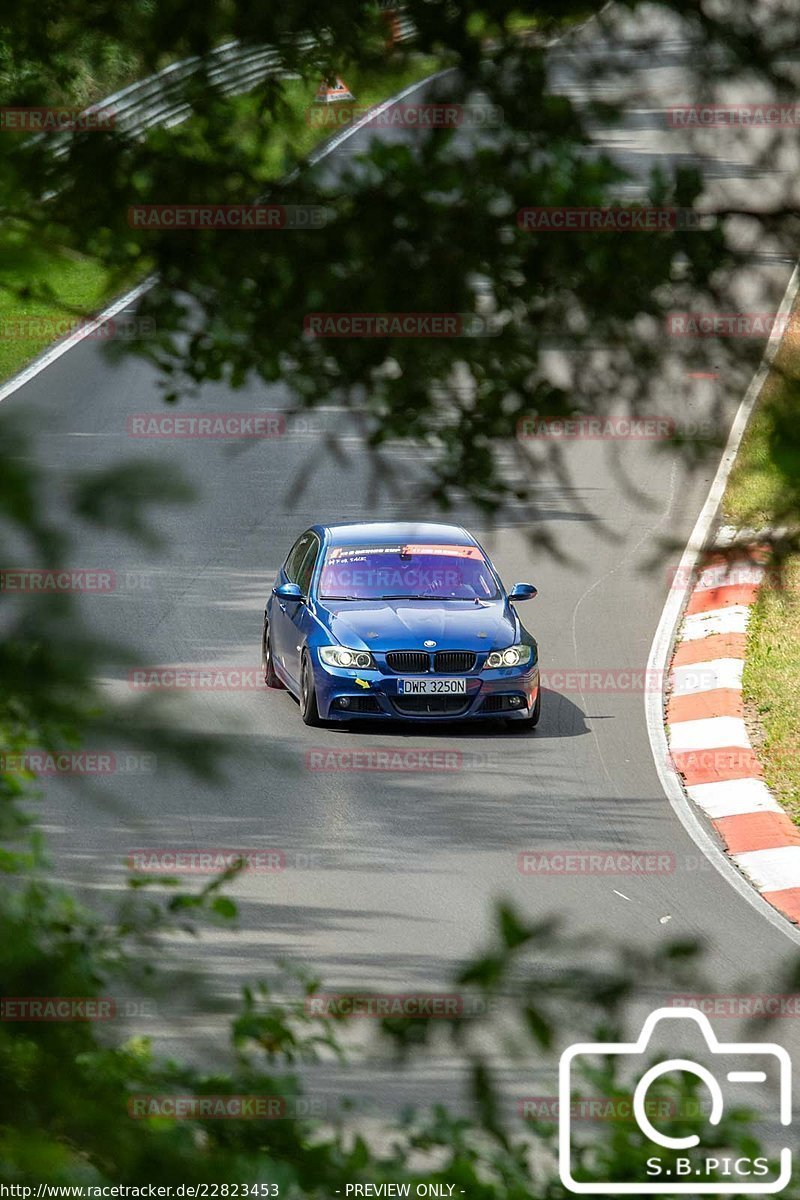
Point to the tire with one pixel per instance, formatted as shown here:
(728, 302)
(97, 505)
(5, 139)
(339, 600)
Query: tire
(533, 720)
(308, 694)
(267, 664)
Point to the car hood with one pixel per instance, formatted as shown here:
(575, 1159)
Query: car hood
(407, 624)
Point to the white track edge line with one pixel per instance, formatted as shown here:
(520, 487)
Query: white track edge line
(54, 352)
(662, 642)
(661, 649)
(315, 156)
(51, 353)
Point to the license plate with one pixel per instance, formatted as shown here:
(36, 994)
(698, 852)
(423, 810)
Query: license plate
(432, 687)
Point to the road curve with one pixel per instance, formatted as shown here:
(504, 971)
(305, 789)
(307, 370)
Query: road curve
(390, 875)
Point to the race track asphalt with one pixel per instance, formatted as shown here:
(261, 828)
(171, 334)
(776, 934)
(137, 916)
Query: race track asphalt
(391, 875)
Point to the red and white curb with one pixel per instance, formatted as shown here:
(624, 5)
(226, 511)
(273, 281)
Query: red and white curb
(708, 739)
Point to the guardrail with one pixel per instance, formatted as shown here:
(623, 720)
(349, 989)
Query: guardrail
(233, 68)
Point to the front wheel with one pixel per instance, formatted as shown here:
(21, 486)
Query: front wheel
(308, 693)
(267, 662)
(533, 720)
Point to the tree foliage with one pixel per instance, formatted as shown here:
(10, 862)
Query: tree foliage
(579, 319)
(440, 217)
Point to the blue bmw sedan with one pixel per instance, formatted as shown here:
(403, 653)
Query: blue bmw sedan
(398, 621)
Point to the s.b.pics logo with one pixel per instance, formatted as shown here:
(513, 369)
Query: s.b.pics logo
(673, 1159)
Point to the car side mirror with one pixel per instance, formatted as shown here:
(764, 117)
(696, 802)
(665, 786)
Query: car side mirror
(288, 591)
(523, 591)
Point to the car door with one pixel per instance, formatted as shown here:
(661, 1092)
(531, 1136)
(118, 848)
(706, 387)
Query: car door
(281, 612)
(298, 615)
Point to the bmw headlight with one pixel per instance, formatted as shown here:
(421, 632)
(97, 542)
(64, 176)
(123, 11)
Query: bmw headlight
(514, 656)
(340, 656)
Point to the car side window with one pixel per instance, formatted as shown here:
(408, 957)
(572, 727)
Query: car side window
(296, 555)
(306, 569)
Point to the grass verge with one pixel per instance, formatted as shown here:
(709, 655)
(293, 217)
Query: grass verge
(79, 286)
(764, 491)
(29, 323)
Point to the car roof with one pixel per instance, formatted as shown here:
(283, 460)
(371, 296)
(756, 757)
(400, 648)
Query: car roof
(376, 532)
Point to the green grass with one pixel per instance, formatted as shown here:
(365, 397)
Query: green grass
(756, 482)
(302, 125)
(771, 688)
(76, 285)
(482, 25)
(764, 491)
(57, 286)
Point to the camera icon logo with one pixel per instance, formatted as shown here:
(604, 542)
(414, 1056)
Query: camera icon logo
(682, 1166)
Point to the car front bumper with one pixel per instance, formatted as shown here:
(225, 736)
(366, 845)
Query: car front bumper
(347, 695)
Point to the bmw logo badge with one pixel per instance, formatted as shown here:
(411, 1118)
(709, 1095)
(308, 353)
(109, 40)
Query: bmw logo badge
(428, 645)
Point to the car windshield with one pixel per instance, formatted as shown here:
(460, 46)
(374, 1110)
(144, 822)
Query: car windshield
(428, 572)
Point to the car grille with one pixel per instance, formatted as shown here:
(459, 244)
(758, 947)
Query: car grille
(493, 704)
(453, 660)
(364, 704)
(415, 662)
(435, 706)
